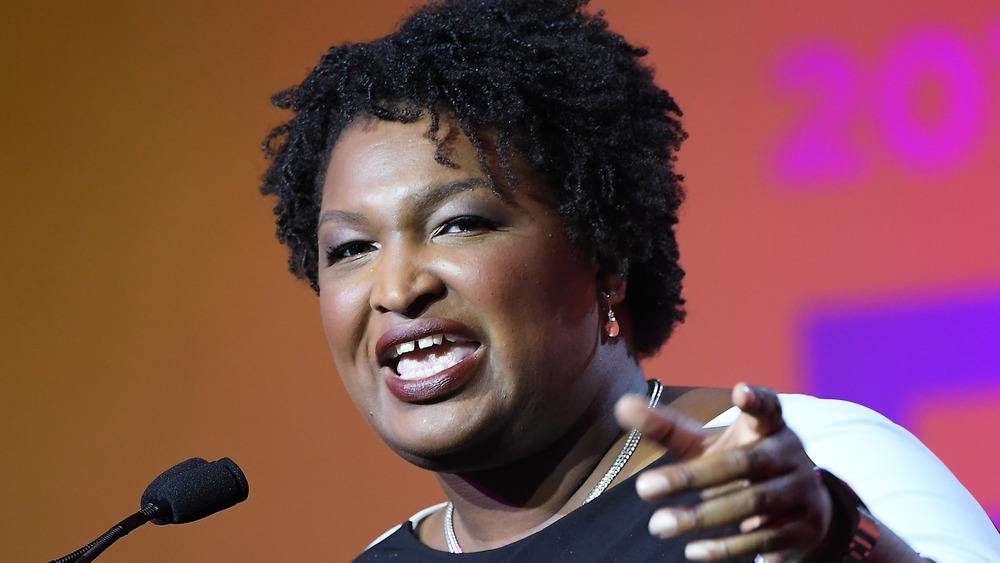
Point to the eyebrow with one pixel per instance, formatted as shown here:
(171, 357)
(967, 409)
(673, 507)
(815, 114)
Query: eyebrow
(434, 195)
(427, 198)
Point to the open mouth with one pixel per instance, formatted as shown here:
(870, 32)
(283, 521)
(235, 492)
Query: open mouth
(428, 355)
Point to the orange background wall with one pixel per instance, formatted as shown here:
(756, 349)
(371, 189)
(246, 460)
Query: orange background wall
(145, 315)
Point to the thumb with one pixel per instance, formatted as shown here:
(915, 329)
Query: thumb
(763, 406)
(681, 434)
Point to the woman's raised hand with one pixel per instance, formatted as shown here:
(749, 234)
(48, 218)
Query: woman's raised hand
(753, 473)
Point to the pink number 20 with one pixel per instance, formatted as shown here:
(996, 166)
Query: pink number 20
(918, 135)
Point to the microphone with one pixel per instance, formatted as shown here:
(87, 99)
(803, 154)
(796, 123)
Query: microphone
(186, 492)
(194, 489)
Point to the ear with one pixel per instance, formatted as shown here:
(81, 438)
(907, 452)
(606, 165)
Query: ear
(611, 280)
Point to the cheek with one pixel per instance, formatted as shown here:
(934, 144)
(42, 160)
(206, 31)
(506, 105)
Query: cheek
(560, 277)
(340, 312)
(544, 293)
(569, 296)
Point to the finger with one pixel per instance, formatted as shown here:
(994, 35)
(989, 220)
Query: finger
(762, 404)
(753, 522)
(724, 489)
(717, 469)
(775, 497)
(682, 435)
(777, 455)
(711, 470)
(714, 549)
(769, 540)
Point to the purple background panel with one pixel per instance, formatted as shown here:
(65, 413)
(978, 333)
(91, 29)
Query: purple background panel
(886, 357)
(892, 357)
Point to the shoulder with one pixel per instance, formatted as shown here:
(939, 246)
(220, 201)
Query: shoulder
(411, 523)
(851, 438)
(831, 430)
(858, 444)
(807, 411)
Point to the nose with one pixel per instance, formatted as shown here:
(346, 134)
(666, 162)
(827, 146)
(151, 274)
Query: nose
(404, 281)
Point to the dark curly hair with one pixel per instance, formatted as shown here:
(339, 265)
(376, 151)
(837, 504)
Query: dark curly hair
(552, 86)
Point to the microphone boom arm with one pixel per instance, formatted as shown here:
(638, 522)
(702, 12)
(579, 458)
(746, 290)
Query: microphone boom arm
(93, 549)
(188, 491)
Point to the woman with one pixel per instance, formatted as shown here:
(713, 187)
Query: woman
(484, 201)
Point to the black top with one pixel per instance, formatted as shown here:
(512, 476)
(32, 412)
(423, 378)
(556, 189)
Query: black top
(612, 527)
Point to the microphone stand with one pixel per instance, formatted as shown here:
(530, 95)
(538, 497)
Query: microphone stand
(119, 530)
(190, 490)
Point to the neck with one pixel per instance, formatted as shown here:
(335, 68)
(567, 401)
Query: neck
(501, 505)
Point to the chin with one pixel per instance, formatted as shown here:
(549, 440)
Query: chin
(464, 461)
(448, 452)
(441, 459)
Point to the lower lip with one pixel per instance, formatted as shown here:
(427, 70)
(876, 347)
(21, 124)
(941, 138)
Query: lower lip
(436, 387)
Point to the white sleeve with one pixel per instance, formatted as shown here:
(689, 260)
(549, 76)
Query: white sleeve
(904, 485)
(414, 520)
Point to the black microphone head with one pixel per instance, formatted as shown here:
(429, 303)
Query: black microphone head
(194, 489)
(152, 491)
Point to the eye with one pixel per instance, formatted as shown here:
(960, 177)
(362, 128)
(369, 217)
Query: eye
(465, 224)
(347, 251)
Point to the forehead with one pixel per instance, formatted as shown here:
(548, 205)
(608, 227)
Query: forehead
(374, 155)
(373, 151)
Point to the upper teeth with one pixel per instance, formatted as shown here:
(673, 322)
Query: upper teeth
(424, 342)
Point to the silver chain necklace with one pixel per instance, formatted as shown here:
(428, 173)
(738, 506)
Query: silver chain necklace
(656, 389)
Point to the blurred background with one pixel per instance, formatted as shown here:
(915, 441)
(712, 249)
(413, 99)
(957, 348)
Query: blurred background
(840, 237)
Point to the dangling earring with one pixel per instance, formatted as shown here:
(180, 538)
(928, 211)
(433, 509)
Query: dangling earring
(611, 327)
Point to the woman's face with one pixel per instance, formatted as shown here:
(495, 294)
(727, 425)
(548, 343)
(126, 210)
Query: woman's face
(463, 324)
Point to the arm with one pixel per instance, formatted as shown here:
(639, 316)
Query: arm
(905, 486)
(756, 473)
(854, 530)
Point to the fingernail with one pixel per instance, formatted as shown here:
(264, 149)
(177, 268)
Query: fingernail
(663, 524)
(652, 484)
(696, 551)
